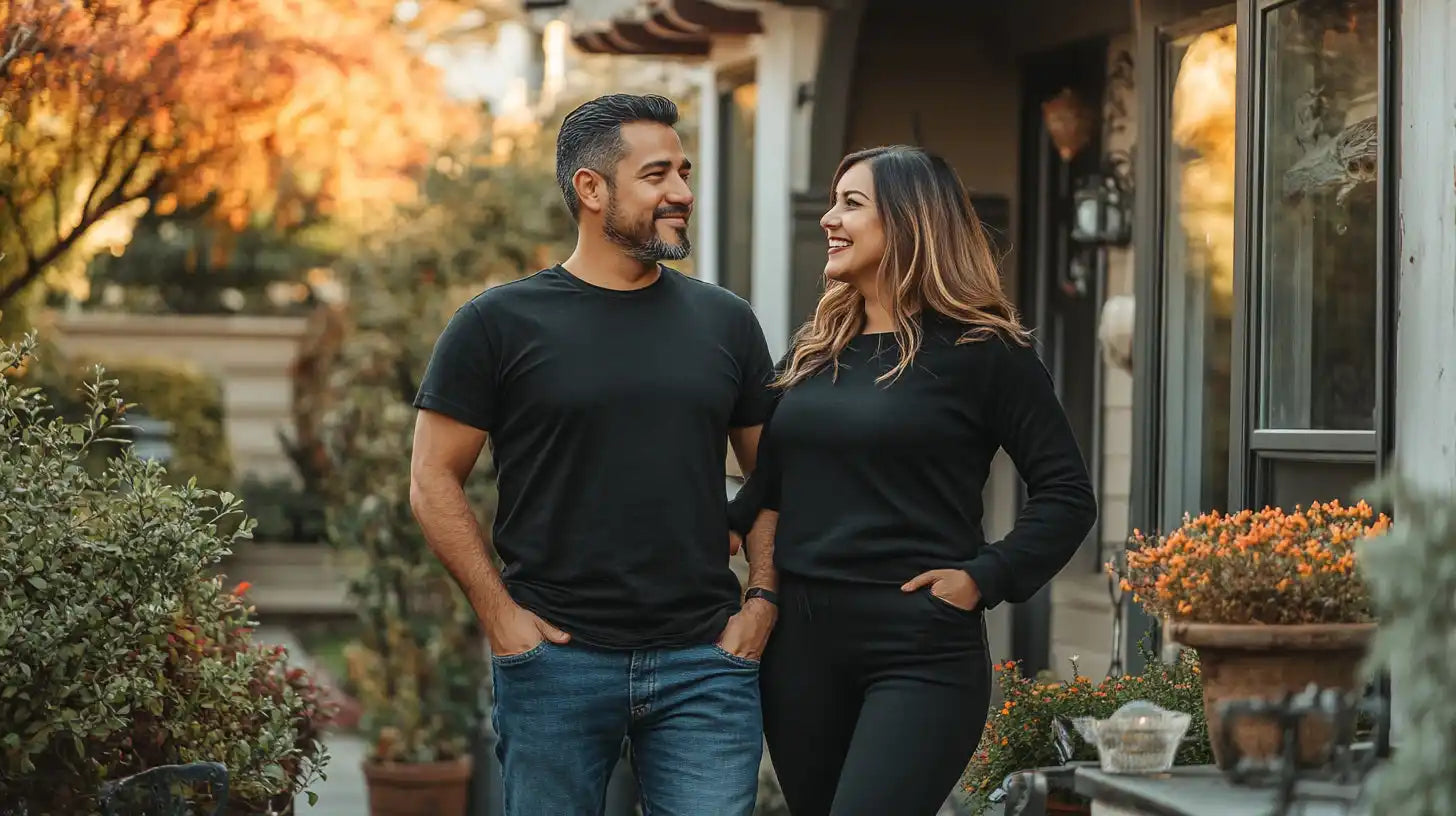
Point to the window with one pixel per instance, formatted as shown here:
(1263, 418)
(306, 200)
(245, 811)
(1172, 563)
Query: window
(1318, 216)
(1314, 281)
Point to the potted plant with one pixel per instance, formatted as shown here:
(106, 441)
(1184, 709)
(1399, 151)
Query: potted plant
(1272, 601)
(421, 656)
(486, 215)
(1019, 734)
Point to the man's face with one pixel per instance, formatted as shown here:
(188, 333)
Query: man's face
(650, 203)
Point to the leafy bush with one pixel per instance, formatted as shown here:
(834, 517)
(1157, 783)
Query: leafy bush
(174, 392)
(1268, 567)
(1412, 577)
(1019, 735)
(119, 650)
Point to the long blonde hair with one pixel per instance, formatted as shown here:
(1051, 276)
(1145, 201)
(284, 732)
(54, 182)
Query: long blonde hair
(936, 258)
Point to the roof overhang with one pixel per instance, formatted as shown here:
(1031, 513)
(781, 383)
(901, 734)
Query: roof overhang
(668, 28)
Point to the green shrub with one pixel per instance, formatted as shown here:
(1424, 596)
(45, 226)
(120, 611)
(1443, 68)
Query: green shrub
(1018, 735)
(191, 401)
(119, 650)
(174, 392)
(1411, 572)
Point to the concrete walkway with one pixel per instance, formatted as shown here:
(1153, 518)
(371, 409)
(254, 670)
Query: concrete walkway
(344, 792)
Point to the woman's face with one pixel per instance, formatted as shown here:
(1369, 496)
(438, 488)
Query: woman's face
(856, 238)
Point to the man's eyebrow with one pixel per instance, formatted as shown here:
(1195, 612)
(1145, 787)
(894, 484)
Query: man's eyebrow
(663, 165)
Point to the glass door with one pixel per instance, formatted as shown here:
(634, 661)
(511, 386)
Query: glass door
(1196, 257)
(1184, 363)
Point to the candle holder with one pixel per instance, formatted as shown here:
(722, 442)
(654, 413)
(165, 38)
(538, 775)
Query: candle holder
(1139, 738)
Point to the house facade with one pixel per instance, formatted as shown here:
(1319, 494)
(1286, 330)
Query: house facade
(1231, 223)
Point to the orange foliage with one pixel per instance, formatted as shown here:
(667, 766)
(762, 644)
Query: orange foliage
(273, 106)
(1257, 567)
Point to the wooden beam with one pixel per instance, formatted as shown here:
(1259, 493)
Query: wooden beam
(592, 43)
(661, 24)
(646, 36)
(712, 17)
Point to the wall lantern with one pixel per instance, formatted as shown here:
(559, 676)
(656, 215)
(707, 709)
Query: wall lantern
(1101, 211)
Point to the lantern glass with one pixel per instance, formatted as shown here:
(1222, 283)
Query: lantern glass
(1090, 214)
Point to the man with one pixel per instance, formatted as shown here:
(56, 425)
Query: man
(609, 387)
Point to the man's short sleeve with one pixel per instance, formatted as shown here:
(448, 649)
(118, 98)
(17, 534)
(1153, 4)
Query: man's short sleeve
(755, 397)
(460, 380)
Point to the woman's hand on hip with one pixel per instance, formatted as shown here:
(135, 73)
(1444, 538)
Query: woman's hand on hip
(954, 586)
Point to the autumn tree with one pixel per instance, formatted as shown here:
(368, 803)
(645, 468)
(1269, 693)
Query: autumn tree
(235, 107)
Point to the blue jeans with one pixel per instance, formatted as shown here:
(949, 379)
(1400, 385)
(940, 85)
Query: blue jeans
(691, 716)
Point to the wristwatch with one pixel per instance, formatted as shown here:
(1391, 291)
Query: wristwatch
(759, 592)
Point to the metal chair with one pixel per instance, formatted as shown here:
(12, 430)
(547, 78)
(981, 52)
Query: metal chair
(155, 791)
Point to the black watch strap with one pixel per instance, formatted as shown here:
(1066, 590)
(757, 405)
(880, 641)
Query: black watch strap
(759, 592)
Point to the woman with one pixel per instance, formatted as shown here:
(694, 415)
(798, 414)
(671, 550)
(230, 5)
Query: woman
(912, 374)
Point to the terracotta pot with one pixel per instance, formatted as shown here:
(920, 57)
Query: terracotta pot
(1267, 662)
(418, 789)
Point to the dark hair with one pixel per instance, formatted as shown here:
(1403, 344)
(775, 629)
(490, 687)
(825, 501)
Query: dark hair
(591, 136)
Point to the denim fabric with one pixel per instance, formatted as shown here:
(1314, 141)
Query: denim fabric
(690, 715)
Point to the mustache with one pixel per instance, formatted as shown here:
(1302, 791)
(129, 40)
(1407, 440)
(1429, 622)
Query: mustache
(671, 212)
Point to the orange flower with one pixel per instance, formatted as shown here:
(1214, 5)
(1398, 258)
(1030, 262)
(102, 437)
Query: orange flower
(241, 588)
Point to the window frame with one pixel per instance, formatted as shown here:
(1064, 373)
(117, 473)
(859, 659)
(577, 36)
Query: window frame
(1255, 449)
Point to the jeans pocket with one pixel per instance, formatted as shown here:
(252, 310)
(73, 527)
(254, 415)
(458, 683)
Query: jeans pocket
(740, 662)
(522, 657)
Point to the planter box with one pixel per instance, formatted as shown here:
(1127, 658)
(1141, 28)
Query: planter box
(291, 578)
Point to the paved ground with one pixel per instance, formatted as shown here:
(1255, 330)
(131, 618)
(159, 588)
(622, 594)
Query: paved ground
(343, 793)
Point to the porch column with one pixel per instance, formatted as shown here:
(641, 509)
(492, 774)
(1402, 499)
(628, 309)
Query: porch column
(708, 163)
(787, 58)
(1425, 376)
(826, 122)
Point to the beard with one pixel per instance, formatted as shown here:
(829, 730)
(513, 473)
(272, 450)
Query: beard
(639, 239)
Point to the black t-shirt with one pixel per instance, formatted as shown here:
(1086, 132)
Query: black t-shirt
(878, 482)
(608, 413)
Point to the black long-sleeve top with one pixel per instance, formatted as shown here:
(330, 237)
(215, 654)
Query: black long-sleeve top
(878, 482)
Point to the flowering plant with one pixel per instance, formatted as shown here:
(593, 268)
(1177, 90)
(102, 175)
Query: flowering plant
(1266, 567)
(1019, 736)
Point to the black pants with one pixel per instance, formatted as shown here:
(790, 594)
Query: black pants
(873, 698)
